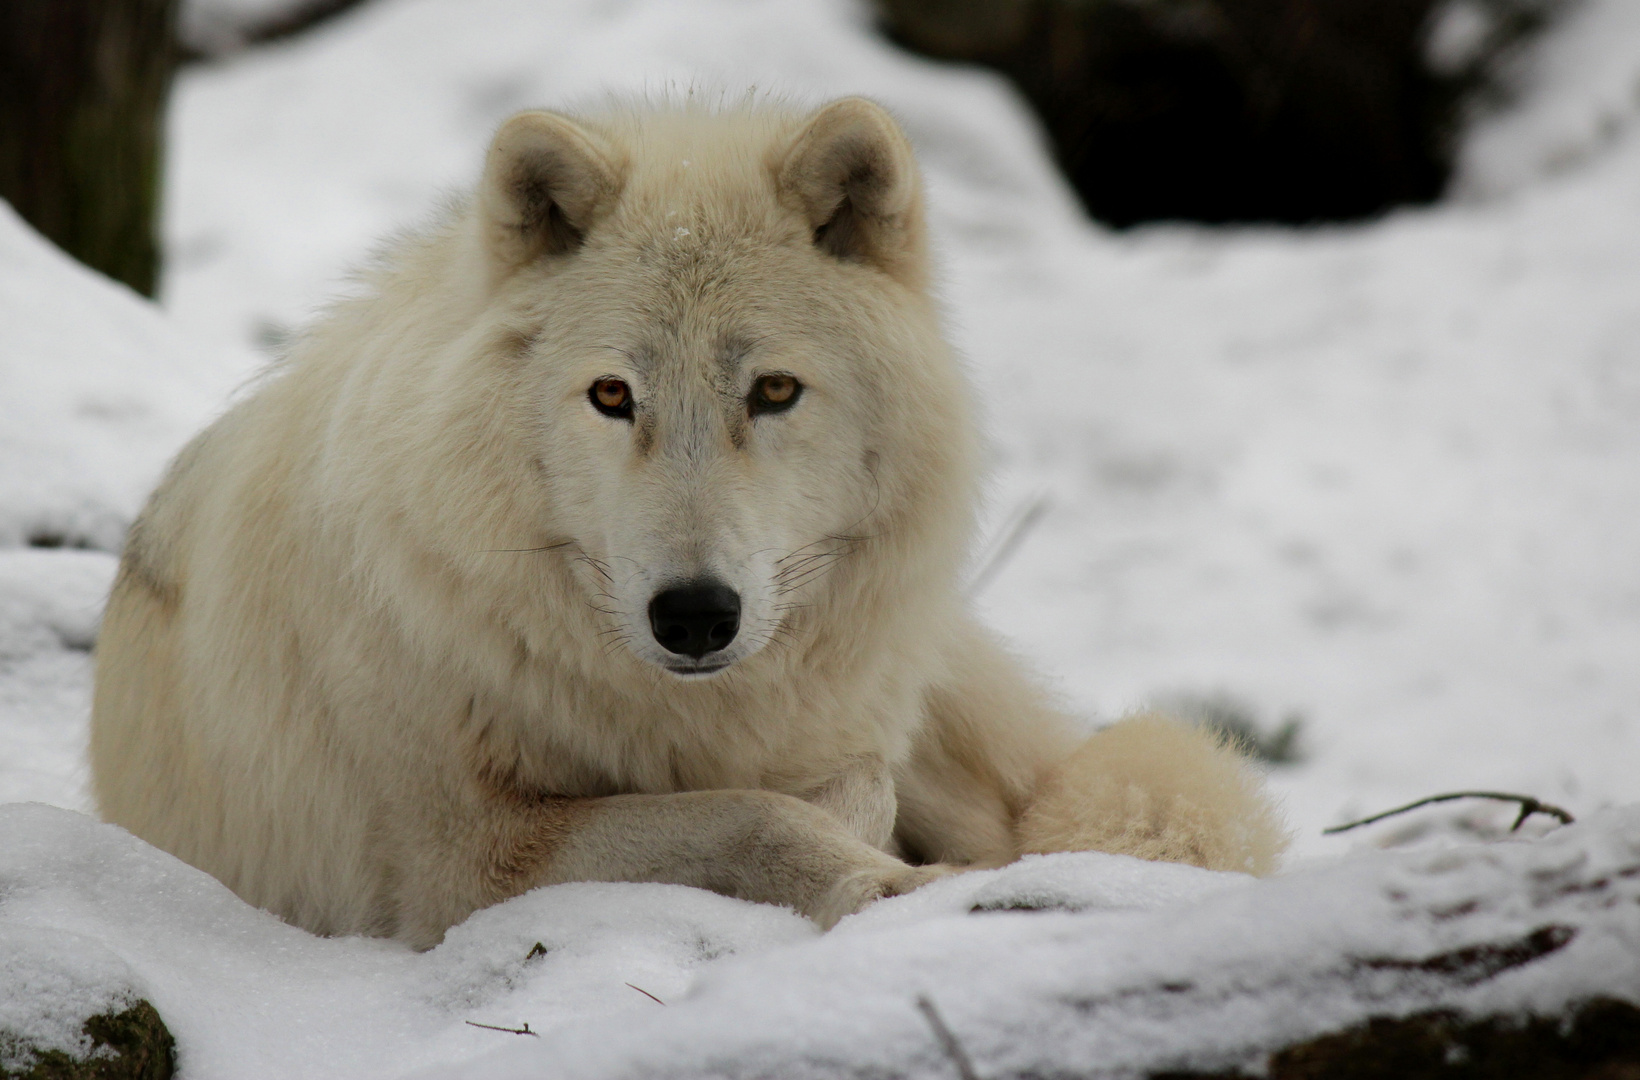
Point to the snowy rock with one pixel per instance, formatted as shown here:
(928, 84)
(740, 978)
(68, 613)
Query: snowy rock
(50, 982)
(69, 1009)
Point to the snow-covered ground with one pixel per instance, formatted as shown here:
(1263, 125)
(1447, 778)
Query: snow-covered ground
(1120, 965)
(1385, 476)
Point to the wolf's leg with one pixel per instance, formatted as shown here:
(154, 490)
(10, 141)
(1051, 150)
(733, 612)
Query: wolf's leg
(989, 740)
(999, 772)
(755, 845)
(861, 796)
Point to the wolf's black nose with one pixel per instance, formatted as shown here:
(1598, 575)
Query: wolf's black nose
(695, 619)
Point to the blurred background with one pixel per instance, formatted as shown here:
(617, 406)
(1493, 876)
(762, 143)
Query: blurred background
(1307, 331)
(1295, 111)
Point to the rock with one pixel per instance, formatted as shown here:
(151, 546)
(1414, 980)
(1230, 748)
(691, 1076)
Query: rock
(132, 1044)
(70, 1008)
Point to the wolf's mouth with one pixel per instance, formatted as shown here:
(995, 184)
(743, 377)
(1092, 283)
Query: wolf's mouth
(696, 671)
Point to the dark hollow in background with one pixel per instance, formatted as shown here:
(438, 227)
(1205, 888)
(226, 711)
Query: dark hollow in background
(1221, 111)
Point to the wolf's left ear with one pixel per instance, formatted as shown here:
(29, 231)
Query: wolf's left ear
(546, 180)
(852, 174)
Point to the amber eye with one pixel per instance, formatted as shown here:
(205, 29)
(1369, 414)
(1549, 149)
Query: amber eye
(612, 397)
(775, 393)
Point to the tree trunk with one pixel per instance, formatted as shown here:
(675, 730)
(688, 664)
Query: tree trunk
(83, 85)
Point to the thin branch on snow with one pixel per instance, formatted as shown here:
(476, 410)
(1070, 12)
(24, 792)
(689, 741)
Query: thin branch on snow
(948, 1042)
(647, 994)
(1528, 806)
(525, 1030)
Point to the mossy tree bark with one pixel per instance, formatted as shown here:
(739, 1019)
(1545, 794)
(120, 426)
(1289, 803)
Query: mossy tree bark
(83, 85)
(1598, 1039)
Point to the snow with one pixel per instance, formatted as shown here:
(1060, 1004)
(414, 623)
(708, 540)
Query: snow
(250, 996)
(50, 602)
(97, 391)
(1133, 964)
(1154, 987)
(1384, 476)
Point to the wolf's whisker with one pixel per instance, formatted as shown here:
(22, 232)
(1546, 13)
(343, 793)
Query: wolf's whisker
(810, 574)
(528, 550)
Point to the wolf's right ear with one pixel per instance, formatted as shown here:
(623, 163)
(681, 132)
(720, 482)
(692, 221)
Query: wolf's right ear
(852, 173)
(546, 180)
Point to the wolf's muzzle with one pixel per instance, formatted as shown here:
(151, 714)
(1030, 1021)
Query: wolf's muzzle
(695, 618)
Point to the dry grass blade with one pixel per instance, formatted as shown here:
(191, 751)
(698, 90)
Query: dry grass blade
(1006, 543)
(948, 1042)
(647, 994)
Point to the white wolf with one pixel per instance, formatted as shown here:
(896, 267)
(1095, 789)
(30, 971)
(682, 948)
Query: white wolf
(616, 535)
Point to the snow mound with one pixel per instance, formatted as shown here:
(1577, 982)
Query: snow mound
(50, 605)
(97, 391)
(1044, 967)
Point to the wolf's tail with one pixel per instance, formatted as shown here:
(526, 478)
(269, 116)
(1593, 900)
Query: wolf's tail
(1155, 788)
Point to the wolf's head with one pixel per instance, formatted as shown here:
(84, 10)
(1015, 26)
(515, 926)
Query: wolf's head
(725, 372)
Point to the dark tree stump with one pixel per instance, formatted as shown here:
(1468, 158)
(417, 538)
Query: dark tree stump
(83, 85)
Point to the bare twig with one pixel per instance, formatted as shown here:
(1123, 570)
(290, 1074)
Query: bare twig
(1528, 806)
(525, 1030)
(647, 994)
(948, 1042)
(1025, 518)
(212, 42)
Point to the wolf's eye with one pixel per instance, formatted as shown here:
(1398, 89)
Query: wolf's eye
(774, 393)
(612, 397)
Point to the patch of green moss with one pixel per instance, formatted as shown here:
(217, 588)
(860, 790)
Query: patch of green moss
(130, 1045)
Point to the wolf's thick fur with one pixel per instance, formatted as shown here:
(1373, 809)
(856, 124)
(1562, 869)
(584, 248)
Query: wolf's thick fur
(377, 655)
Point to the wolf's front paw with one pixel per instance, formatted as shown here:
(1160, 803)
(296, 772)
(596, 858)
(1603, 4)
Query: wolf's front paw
(864, 887)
